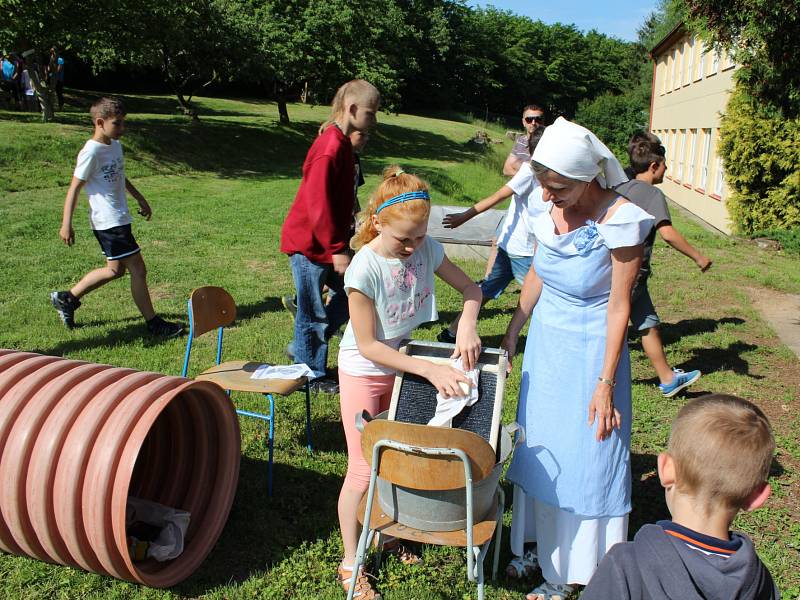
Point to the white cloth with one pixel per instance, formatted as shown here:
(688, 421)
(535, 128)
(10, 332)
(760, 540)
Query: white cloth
(576, 153)
(102, 167)
(283, 371)
(516, 237)
(403, 293)
(447, 408)
(569, 545)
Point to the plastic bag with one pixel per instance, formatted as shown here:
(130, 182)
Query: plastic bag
(154, 530)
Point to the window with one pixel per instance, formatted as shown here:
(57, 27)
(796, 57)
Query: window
(714, 69)
(701, 59)
(692, 156)
(663, 70)
(678, 68)
(728, 62)
(690, 62)
(672, 69)
(719, 177)
(668, 148)
(674, 149)
(681, 150)
(705, 159)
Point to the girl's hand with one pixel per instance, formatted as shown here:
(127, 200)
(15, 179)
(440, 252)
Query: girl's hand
(509, 344)
(468, 347)
(602, 406)
(454, 220)
(447, 380)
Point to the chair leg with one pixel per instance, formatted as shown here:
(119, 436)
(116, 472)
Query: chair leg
(498, 535)
(378, 551)
(308, 417)
(270, 441)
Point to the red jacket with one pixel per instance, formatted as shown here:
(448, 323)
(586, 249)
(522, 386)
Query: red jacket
(320, 218)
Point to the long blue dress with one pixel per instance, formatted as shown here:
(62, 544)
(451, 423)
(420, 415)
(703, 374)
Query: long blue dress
(561, 464)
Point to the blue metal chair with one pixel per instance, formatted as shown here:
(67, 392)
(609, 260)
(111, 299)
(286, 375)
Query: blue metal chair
(213, 308)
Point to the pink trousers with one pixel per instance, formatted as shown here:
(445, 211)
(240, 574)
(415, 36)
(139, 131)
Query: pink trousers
(356, 393)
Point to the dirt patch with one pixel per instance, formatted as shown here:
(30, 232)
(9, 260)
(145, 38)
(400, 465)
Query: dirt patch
(782, 312)
(261, 266)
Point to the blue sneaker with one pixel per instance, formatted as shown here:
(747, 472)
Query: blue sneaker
(679, 381)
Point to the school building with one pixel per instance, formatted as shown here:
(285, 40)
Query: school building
(691, 86)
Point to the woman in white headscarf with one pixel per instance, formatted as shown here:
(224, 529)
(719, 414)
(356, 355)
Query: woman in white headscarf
(572, 475)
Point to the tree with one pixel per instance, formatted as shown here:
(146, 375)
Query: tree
(762, 36)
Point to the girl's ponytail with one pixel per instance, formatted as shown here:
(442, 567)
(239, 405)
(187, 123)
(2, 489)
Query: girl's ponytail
(395, 182)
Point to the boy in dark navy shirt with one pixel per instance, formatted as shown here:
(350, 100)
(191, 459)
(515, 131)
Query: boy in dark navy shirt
(717, 464)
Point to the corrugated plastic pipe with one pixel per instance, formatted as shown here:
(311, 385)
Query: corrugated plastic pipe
(77, 438)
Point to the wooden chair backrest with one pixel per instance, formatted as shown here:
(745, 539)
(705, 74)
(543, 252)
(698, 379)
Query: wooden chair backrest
(212, 307)
(426, 472)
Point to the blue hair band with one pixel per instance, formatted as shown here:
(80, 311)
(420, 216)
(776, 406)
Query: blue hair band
(419, 195)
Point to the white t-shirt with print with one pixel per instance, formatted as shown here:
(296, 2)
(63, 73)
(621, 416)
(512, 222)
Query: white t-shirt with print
(516, 237)
(403, 292)
(102, 167)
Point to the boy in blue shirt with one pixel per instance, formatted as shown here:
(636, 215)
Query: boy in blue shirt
(101, 169)
(717, 463)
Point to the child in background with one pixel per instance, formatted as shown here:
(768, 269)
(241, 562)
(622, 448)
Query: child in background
(101, 168)
(359, 140)
(717, 463)
(317, 229)
(515, 241)
(647, 169)
(390, 285)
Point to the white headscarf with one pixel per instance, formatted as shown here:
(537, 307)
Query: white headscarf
(575, 152)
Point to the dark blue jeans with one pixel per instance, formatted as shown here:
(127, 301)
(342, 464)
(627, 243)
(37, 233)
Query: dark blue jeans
(315, 323)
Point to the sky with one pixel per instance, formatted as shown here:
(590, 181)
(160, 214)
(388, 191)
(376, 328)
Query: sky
(619, 18)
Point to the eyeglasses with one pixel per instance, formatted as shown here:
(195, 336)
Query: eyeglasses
(537, 118)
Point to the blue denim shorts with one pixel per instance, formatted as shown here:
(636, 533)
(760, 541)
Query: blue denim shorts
(643, 313)
(506, 268)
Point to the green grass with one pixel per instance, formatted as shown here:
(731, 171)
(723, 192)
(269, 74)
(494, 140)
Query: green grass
(219, 190)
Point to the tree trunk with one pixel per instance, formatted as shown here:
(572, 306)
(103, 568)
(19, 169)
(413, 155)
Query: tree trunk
(304, 93)
(44, 95)
(186, 107)
(283, 110)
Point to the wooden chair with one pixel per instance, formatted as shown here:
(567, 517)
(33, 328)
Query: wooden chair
(213, 308)
(420, 457)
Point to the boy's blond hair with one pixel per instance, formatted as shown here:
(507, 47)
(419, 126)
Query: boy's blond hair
(107, 107)
(722, 449)
(359, 90)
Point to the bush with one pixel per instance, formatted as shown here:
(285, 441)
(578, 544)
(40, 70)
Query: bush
(761, 155)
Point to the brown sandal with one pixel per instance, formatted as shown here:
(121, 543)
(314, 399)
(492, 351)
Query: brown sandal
(407, 555)
(364, 589)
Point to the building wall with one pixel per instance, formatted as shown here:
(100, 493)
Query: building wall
(690, 91)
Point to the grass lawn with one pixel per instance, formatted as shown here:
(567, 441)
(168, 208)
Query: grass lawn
(219, 191)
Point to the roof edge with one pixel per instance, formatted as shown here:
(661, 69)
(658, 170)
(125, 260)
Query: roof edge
(680, 28)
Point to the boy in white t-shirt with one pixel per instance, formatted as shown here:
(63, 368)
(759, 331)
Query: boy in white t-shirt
(101, 168)
(515, 239)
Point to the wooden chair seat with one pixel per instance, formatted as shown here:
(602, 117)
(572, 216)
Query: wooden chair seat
(236, 375)
(482, 531)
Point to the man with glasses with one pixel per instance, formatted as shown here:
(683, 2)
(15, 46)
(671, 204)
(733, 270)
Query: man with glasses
(532, 115)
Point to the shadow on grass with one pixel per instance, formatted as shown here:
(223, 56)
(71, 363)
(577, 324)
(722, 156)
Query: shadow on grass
(135, 330)
(262, 531)
(254, 310)
(327, 435)
(255, 147)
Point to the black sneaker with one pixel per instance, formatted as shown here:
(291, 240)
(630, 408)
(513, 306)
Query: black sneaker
(325, 385)
(290, 304)
(65, 304)
(446, 337)
(160, 327)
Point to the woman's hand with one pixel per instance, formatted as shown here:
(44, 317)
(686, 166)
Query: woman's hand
(509, 344)
(602, 406)
(468, 346)
(447, 380)
(453, 220)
